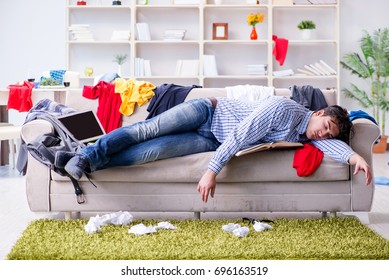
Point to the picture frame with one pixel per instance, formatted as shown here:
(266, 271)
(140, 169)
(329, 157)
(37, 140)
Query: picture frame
(220, 31)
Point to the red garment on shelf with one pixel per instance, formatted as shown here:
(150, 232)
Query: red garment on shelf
(20, 96)
(280, 49)
(109, 104)
(307, 159)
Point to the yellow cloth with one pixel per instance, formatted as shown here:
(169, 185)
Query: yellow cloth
(133, 92)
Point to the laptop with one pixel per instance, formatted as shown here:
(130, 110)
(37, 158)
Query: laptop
(85, 126)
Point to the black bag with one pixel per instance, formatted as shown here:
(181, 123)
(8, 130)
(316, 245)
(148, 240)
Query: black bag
(45, 147)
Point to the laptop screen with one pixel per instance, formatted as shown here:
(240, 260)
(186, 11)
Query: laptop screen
(85, 126)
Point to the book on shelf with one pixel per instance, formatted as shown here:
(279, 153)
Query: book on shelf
(283, 73)
(142, 67)
(257, 69)
(322, 68)
(187, 67)
(329, 68)
(321, 73)
(269, 146)
(210, 68)
(143, 31)
(309, 68)
(319, 68)
(174, 34)
(304, 71)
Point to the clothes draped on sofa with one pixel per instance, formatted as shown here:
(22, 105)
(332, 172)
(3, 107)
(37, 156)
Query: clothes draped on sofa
(167, 96)
(109, 104)
(308, 96)
(133, 92)
(44, 106)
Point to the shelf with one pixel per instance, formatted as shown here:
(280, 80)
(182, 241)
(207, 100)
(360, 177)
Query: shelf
(232, 55)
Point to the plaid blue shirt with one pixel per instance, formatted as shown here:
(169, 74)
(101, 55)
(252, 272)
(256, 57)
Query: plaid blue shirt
(239, 125)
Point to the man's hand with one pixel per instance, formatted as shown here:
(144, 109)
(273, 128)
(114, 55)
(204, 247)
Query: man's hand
(207, 185)
(361, 164)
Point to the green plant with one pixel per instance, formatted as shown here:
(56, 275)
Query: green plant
(306, 24)
(372, 67)
(120, 58)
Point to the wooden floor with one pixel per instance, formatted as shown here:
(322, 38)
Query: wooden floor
(15, 214)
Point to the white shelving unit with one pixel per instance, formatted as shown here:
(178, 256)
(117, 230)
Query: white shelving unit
(232, 55)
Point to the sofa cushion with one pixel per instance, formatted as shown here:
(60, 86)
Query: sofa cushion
(272, 166)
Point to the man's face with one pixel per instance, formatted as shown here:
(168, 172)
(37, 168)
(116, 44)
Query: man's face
(321, 127)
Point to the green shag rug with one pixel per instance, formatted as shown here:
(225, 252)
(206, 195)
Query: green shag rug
(303, 239)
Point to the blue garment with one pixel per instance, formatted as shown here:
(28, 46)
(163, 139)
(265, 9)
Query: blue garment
(358, 114)
(167, 96)
(195, 126)
(381, 180)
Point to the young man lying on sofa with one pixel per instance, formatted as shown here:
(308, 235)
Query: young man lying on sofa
(222, 125)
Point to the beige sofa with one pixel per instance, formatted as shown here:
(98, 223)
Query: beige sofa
(260, 182)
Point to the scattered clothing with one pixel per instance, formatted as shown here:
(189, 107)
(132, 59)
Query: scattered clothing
(249, 93)
(20, 96)
(44, 106)
(308, 96)
(167, 96)
(307, 160)
(109, 104)
(381, 180)
(133, 92)
(280, 49)
(358, 114)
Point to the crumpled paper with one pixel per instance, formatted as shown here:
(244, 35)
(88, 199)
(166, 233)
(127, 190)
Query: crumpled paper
(141, 229)
(236, 229)
(259, 226)
(241, 231)
(118, 218)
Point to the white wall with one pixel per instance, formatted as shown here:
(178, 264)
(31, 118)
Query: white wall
(355, 16)
(33, 36)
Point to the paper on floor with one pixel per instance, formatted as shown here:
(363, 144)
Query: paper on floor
(118, 218)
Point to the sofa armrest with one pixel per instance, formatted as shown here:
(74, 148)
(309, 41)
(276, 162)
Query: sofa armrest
(37, 175)
(362, 140)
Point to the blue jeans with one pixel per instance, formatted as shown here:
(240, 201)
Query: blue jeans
(182, 130)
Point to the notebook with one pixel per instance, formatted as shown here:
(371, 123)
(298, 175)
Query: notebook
(85, 126)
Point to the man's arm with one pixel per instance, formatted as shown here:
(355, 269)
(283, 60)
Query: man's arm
(207, 185)
(361, 164)
(340, 151)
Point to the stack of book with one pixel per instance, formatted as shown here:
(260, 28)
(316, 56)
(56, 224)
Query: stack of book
(257, 69)
(283, 73)
(142, 67)
(319, 68)
(81, 32)
(174, 34)
(143, 31)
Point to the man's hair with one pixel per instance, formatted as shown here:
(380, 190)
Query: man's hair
(342, 119)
